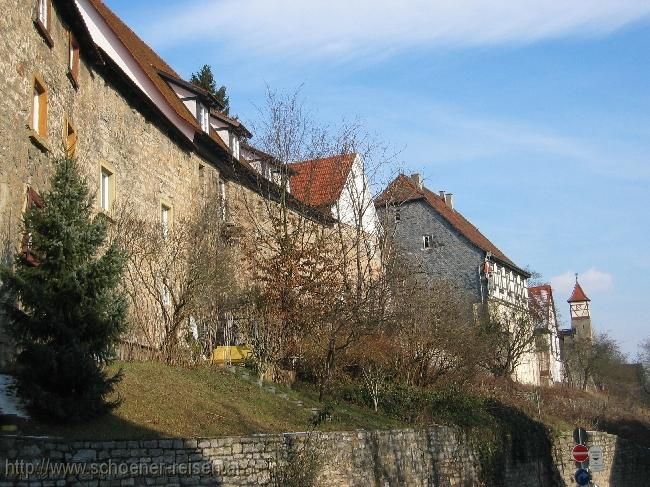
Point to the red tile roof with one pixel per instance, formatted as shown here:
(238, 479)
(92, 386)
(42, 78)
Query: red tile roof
(152, 65)
(578, 294)
(403, 189)
(537, 290)
(319, 182)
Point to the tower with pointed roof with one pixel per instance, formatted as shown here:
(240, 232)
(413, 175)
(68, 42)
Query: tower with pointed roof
(580, 314)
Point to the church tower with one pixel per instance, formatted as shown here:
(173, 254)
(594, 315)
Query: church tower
(580, 315)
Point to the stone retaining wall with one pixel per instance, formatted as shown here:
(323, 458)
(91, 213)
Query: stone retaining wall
(438, 456)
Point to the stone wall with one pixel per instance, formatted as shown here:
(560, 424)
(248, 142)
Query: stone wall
(116, 128)
(438, 456)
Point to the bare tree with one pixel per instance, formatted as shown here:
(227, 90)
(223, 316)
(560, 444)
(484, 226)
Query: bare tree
(594, 362)
(644, 360)
(509, 334)
(320, 280)
(179, 278)
(435, 337)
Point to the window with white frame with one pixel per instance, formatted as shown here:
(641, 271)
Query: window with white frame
(43, 20)
(44, 13)
(73, 58)
(165, 295)
(106, 189)
(398, 216)
(222, 200)
(427, 241)
(234, 144)
(39, 108)
(276, 176)
(203, 116)
(165, 218)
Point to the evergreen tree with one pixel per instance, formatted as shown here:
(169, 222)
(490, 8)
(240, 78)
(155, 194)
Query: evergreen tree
(65, 311)
(205, 79)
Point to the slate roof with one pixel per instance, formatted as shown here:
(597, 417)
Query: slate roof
(319, 182)
(403, 190)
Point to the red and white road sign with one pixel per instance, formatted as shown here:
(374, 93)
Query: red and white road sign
(580, 453)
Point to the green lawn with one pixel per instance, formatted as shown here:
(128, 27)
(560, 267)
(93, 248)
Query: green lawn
(164, 401)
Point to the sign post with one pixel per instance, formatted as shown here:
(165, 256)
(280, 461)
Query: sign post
(580, 453)
(596, 459)
(582, 477)
(580, 436)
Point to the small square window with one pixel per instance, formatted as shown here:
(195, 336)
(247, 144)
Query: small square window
(107, 190)
(427, 241)
(398, 216)
(39, 108)
(73, 58)
(70, 139)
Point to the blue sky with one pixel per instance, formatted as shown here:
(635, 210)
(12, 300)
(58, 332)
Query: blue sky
(535, 114)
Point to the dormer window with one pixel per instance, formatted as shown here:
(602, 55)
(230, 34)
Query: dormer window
(203, 116)
(234, 145)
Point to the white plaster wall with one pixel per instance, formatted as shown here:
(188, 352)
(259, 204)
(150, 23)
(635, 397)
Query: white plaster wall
(356, 203)
(222, 129)
(104, 37)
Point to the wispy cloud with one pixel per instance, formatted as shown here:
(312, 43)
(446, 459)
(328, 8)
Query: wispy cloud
(593, 281)
(334, 28)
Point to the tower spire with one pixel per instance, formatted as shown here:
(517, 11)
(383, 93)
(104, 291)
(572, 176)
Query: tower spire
(580, 314)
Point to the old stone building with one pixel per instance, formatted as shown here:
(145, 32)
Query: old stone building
(76, 80)
(442, 245)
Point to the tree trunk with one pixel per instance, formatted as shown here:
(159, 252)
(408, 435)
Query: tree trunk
(329, 364)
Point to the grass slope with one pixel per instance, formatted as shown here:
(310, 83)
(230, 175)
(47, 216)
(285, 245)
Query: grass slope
(164, 401)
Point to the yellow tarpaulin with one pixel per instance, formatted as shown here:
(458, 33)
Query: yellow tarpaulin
(233, 354)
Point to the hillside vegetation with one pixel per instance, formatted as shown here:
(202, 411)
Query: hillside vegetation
(206, 401)
(164, 401)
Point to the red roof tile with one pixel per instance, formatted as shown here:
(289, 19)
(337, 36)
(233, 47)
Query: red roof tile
(538, 293)
(537, 290)
(403, 189)
(578, 294)
(152, 64)
(319, 182)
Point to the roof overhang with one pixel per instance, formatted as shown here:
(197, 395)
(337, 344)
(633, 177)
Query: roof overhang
(205, 96)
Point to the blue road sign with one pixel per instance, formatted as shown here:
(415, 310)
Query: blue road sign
(582, 476)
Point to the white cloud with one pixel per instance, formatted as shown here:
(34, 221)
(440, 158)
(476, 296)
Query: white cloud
(592, 281)
(337, 28)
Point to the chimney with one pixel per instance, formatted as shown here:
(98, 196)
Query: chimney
(417, 179)
(449, 200)
(442, 195)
